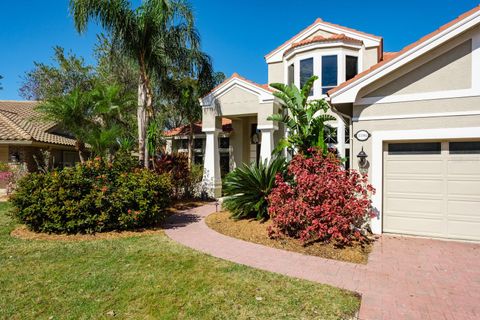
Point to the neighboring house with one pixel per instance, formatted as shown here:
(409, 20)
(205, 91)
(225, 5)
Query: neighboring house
(23, 134)
(177, 142)
(414, 113)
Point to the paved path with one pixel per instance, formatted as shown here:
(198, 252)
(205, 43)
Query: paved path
(405, 278)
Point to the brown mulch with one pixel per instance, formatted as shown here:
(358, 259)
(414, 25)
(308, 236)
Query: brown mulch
(22, 231)
(256, 232)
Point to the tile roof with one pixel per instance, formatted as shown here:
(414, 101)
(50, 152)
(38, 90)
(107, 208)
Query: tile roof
(393, 55)
(197, 129)
(333, 38)
(237, 76)
(320, 21)
(20, 121)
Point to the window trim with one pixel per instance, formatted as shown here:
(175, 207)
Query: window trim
(324, 89)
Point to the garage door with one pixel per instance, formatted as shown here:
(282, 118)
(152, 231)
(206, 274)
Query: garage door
(432, 189)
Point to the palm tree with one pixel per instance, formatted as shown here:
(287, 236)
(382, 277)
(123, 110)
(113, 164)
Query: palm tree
(70, 112)
(305, 119)
(157, 35)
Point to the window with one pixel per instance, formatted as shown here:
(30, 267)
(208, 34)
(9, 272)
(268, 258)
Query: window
(469, 147)
(351, 67)
(330, 135)
(198, 143)
(224, 163)
(224, 143)
(329, 73)
(414, 148)
(183, 144)
(306, 72)
(291, 74)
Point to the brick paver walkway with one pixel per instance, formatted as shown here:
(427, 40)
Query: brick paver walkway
(405, 278)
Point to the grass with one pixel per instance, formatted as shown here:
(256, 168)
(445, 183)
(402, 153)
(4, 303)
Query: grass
(148, 277)
(255, 231)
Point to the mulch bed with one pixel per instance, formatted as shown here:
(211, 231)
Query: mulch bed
(255, 231)
(22, 232)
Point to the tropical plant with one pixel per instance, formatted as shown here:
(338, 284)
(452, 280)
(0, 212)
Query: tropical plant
(158, 35)
(94, 117)
(247, 188)
(318, 200)
(305, 119)
(97, 196)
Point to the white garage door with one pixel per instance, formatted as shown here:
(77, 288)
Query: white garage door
(432, 189)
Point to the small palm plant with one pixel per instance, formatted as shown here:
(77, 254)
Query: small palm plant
(246, 188)
(304, 118)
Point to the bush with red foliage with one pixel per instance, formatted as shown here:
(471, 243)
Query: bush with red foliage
(320, 201)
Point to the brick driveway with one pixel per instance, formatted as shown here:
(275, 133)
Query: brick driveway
(405, 278)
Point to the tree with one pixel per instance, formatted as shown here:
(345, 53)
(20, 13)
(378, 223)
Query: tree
(68, 72)
(157, 35)
(95, 117)
(304, 118)
(190, 89)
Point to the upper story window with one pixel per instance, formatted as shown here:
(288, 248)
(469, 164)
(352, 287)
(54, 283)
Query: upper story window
(351, 67)
(291, 74)
(306, 71)
(329, 73)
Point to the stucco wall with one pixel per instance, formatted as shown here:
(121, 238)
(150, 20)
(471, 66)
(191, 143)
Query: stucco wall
(370, 57)
(275, 73)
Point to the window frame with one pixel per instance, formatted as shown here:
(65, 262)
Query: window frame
(326, 88)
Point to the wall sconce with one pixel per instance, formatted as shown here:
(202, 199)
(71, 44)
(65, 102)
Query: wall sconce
(256, 137)
(15, 158)
(362, 159)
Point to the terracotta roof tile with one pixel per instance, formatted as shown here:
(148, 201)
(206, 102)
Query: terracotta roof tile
(20, 121)
(336, 37)
(237, 76)
(317, 21)
(197, 129)
(404, 50)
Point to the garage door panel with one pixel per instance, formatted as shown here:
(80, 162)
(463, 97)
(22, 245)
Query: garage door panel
(464, 167)
(423, 166)
(466, 209)
(416, 186)
(466, 229)
(414, 207)
(415, 225)
(463, 188)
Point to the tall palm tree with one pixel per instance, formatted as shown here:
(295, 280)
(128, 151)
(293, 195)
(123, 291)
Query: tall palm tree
(157, 35)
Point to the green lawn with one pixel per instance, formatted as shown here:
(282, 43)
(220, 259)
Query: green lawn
(148, 277)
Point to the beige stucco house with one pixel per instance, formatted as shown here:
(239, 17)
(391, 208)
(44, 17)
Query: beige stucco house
(23, 134)
(415, 113)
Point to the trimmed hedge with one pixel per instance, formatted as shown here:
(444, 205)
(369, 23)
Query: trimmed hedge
(98, 196)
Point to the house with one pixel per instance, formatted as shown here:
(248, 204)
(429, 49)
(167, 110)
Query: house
(410, 119)
(177, 142)
(23, 134)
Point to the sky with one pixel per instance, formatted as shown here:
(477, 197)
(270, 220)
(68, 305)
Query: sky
(236, 34)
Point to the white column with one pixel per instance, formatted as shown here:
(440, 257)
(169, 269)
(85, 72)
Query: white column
(340, 136)
(211, 169)
(267, 145)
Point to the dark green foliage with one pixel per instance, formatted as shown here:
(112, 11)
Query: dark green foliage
(246, 188)
(98, 196)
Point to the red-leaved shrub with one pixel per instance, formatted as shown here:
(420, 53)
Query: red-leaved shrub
(320, 201)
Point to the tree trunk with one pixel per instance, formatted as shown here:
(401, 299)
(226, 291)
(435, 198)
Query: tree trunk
(80, 147)
(190, 146)
(141, 122)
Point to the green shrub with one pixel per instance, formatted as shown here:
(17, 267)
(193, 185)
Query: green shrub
(95, 197)
(247, 188)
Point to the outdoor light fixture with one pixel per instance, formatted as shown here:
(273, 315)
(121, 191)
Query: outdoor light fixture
(256, 138)
(15, 158)
(362, 159)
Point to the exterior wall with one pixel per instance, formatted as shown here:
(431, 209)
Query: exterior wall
(275, 73)
(4, 154)
(444, 68)
(370, 57)
(446, 72)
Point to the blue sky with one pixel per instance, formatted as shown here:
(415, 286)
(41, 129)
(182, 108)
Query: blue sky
(237, 34)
